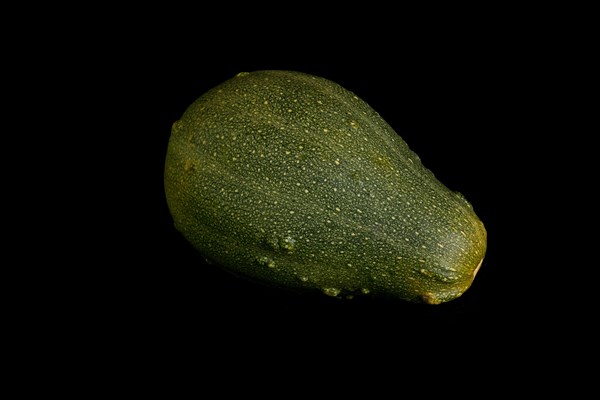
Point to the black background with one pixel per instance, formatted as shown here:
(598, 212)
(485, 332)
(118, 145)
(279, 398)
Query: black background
(460, 107)
(471, 96)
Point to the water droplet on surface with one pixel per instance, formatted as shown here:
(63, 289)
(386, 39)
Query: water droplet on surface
(286, 244)
(266, 261)
(333, 292)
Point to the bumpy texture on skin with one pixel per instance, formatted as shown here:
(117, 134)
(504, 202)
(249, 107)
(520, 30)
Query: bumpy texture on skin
(291, 180)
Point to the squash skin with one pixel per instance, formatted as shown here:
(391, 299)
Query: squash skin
(291, 180)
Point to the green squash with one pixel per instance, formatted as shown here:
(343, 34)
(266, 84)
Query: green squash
(291, 180)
